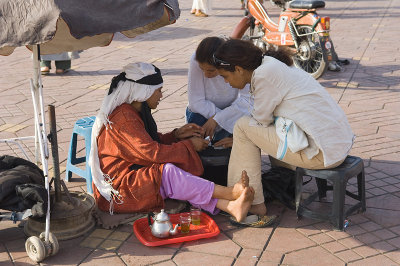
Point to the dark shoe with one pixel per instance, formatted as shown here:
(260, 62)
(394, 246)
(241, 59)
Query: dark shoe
(255, 221)
(343, 62)
(333, 66)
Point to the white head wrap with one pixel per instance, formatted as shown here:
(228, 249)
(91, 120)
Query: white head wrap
(125, 92)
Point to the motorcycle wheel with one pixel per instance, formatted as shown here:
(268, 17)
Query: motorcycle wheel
(310, 56)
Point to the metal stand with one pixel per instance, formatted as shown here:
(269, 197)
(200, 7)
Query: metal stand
(71, 211)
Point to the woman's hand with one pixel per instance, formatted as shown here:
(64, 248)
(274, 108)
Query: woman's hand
(210, 126)
(224, 143)
(188, 131)
(199, 143)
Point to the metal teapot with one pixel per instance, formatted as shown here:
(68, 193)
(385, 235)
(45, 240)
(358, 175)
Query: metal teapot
(161, 226)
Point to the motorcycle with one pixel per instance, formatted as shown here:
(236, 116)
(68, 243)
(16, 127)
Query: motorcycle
(299, 27)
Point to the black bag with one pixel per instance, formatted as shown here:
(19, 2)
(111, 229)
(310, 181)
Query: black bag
(215, 164)
(280, 183)
(22, 186)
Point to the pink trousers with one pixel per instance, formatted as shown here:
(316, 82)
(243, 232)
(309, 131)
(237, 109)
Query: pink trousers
(181, 185)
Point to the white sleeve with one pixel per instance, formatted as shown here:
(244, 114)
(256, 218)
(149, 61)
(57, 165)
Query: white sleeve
(242, 106)
(267, 94)
(196, 91)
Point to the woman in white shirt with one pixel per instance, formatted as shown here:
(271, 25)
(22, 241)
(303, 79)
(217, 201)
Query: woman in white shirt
(280, 90)
(213, 103)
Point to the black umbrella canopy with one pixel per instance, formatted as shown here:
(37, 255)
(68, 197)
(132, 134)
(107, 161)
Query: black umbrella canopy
(69, 25)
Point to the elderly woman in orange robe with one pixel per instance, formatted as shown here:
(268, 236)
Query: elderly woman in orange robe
(135, 168)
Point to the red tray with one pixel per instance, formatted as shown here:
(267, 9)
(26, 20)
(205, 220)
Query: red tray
(207, 228)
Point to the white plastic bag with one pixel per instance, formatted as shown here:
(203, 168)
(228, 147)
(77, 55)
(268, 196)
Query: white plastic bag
(291, 136)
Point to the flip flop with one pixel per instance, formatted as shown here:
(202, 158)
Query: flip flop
(255, 221)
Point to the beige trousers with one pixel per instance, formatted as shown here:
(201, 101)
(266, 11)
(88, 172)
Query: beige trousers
(248, 141)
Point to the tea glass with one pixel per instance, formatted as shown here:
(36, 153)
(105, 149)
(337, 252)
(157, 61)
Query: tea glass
(195, 214)
(185, 222)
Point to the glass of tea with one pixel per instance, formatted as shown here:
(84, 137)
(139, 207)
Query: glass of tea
(195, 214)
(185, 222)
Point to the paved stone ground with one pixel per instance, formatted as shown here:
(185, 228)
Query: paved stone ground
(364, 31)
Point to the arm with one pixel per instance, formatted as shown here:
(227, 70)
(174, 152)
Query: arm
(268, 92)
(137, 147)
(185, 132)
(242, 106)
(168, 138)
(224, 143)
(196, 92)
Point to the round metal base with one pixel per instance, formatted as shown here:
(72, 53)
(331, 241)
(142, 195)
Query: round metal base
(68, 218)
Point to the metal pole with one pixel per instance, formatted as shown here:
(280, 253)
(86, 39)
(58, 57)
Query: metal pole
(40, 126)
(36, 68)
(54, 151)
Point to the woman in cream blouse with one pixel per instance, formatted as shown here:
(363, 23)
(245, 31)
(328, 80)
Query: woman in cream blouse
(280, 90)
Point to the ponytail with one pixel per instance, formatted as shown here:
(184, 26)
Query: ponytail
(282, 54)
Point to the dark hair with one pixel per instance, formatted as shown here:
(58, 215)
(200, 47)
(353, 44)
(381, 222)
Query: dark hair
(207, 48)
(283, 54)
(246, 55)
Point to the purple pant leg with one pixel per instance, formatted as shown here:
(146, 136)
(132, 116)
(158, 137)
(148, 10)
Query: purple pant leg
(181, 185)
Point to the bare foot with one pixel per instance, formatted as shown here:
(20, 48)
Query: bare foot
(240, 207)
(245, 179)
(240, 185)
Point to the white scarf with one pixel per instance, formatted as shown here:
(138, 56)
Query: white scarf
(125, 92)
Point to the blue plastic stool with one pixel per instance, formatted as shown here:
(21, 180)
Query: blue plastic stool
(83, 127)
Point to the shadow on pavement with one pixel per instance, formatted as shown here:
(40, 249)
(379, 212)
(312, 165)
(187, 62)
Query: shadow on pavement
(374, 231)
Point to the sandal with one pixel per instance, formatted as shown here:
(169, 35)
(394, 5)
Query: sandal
(193, 11)
(224, 213)
(255, 221)
(200, 13)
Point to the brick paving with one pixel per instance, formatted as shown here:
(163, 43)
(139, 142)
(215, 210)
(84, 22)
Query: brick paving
(365, 32)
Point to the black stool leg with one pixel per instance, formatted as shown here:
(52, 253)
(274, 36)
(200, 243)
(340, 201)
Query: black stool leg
(361, 189)
(339, 191)
(299, 188)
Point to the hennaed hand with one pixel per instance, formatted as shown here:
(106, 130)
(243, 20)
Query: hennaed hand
(188, 131)
(224, 143)
(199, 143)
(210, 126)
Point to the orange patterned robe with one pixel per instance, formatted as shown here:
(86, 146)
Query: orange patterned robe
(128, 143)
